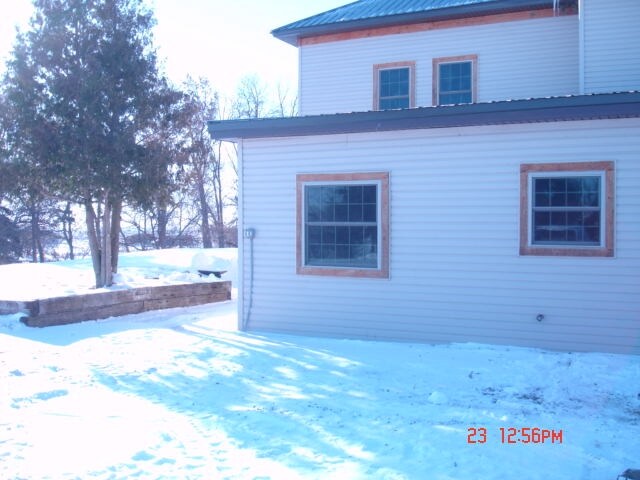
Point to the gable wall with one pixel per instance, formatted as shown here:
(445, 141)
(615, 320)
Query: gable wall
(455, 270)
(518, 59)
(611, 33)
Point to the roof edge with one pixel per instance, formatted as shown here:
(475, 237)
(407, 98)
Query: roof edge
(536, 110)
(291, 34)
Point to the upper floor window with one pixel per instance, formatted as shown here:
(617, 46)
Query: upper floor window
(454, 80)
(343, 224)
(567, 209)
(394, 85)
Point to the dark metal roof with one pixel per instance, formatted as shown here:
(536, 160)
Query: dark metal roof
(377, 13)
(552, 109)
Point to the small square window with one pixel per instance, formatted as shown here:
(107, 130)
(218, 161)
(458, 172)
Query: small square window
(454, 80)
(393, 85)
(567, 209)
(349, 237)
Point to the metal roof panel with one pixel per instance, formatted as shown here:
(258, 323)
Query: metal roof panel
(371, 13)
(549, 109)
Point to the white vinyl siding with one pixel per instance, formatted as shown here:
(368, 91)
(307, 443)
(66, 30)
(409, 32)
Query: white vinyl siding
(455, 270)
(611, 47)
(518, 59)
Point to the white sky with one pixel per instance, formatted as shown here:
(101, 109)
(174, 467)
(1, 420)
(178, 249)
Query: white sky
(222, 40)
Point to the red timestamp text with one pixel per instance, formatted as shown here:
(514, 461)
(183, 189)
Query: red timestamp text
(513, 435)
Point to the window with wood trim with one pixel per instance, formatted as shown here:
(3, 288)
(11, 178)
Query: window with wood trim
(394, 85)
(343, 224)
(455, 80)
(567, 209)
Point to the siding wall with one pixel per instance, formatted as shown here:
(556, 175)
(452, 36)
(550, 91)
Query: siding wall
(611, 32)
(518, 59)
(455, 271)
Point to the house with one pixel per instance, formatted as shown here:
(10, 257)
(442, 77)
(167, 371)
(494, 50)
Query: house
(460, 171)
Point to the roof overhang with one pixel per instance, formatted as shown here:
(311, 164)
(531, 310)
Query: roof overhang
(552, 109)
(293, 32)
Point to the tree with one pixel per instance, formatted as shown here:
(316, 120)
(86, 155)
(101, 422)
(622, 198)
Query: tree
(86, 88)
(252, 98)
(205, 163)
(10, 247)
(166, 154)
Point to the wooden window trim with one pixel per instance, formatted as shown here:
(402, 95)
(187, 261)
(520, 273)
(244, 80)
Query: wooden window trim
(605, 250)
(383, 270)
(460, 58)
(388, 66)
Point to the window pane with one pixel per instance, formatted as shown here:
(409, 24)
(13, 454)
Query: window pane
(342, 213)
(341, 225)
(454, 98)
(341, 195)
(314, 234)
(342, 254)
(567, 192)
(369, 212)
(394, 88)
(356, 235)
(314, 254)
(566, 210)
(342, 235)
(393, 103)
(328, 252)
(355, 194)
(455, 83)
(328, 235)
(314, 203)
(369, 193)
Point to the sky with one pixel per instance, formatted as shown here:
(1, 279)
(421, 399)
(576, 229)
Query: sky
(222, 40)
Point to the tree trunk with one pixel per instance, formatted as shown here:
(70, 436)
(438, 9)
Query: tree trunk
(163, 220)
(116, 217)
(94, 243)
(106, 272)
(204, 211)
(35, 232)
(67, 229)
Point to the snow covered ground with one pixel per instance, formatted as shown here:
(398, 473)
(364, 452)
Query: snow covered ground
(180, 394)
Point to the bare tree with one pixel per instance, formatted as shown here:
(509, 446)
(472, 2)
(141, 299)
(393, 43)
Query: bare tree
(205, 162)
(252, 98)
(287, 103)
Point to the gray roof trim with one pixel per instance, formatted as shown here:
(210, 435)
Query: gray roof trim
(552, 109)
(354, 18)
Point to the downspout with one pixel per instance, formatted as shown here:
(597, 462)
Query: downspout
(300, 110)
(241, 239)
(581, 47)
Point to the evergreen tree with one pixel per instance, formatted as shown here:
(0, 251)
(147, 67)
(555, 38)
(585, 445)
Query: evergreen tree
(85, 86)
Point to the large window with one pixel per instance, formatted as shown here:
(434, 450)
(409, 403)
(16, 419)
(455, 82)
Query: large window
(454, 80)
(567, 209)
(343, 224)
(393, 85)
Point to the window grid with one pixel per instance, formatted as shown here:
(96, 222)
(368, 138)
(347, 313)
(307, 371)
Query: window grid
(394, 85)
(341, 225)
(455, 83)
(566, 210)
(454, 79)
(394, 88)
(381, 182)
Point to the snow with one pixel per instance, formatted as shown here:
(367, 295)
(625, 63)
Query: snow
(181, 394)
